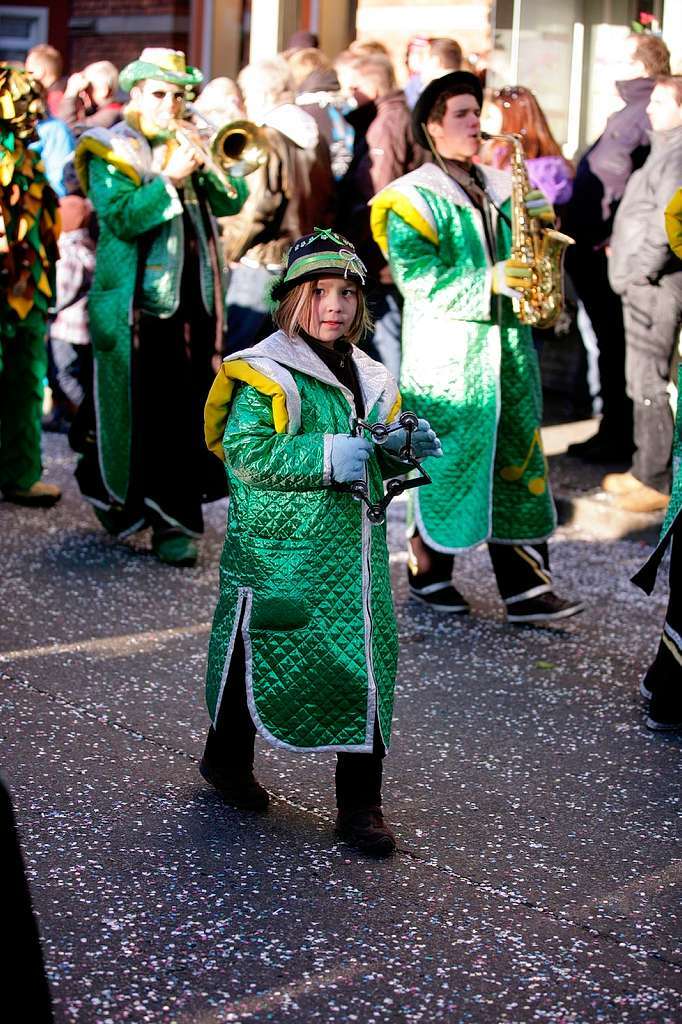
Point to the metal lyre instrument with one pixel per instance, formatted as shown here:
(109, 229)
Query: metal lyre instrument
(540, 248)
(231, 151)
(407, 421)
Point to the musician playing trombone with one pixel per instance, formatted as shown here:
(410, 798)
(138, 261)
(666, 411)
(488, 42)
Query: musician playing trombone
(469, 365)
(156, 312)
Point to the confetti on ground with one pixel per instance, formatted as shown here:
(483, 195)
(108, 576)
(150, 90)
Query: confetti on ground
(538, 878)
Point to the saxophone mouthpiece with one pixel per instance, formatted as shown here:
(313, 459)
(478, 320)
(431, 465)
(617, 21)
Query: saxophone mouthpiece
(486, 136)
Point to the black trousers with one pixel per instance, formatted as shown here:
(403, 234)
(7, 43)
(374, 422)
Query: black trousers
(664, 678)
(521, 570)
(230, 745)
(589, 272)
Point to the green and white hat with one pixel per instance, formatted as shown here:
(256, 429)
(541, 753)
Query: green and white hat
(163, 66)
(324, 253)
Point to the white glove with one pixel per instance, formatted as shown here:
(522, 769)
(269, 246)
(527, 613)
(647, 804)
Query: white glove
(348, 456)
(425, 442)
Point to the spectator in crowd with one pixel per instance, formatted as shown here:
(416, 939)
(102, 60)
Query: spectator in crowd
(220, 102)
(417, 51)
(302, 40)
(598, 187)
(70, 360)
(519, 113)
(469, 363)
(648, 277)
(44, 63)
(28, 213)
(369, 48)
(318, 92)
(384, 149)
(442, 56)
(290, 194)
(515, 110)
(90, 98)
(54, 144)
(156, 313)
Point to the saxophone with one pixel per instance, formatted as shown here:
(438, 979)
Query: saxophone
(540, 248)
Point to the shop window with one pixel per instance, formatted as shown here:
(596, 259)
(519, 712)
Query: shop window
(20, 29)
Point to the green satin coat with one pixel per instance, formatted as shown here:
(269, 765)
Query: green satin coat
(303, 575)
(468, 366)
(140, 252)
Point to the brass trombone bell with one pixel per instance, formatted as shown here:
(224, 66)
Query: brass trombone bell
(240, 147)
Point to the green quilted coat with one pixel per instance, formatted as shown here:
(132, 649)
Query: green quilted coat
(303, 575)
(468, 366)
(138, 212)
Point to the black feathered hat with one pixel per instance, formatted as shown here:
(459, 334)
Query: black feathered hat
(462, 81)
(323, 253)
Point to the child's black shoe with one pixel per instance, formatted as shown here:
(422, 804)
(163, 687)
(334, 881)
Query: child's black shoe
(365, 829)
(241, 790)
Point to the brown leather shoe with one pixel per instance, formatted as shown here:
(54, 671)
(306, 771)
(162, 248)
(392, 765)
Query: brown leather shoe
(39, 495)
(620, 483)
(644, 499)
(365, 830)
(242, 790)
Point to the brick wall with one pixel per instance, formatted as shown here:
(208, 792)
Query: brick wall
(120, 50)
(122, 47)
(103, 8)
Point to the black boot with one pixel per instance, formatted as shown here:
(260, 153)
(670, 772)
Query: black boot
(364, 829)
(240, 789)
(227, 762)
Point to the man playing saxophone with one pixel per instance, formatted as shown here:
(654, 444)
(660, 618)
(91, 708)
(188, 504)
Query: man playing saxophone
(156, 312)
(469, 362)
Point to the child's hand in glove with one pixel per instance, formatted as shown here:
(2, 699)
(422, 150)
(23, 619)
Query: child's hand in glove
(510, 277)
(425, 442)
(349, 455)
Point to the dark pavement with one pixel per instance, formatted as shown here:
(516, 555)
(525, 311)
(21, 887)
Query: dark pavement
(539, 871)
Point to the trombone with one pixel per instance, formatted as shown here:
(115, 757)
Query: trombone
(231, 151)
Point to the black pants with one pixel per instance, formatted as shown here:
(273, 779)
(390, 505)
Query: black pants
(664, 678)
(652, 316)
(230, 745)
(589, 272)
(521, 570)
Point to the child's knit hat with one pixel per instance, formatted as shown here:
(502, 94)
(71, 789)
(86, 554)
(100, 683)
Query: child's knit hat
(324, 253)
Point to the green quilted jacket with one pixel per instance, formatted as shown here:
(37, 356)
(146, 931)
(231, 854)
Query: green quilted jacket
(303, 575)
(139, 213)
(468, 365)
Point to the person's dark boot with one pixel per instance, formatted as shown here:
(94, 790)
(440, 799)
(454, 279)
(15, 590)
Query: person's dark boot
(665, 712)
(173, 547)
(240, 789)
(439, 594)
(364, 829)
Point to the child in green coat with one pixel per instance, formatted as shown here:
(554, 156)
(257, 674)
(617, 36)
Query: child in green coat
(304, 641)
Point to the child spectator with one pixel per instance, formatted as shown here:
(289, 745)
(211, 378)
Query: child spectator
(70, 358)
